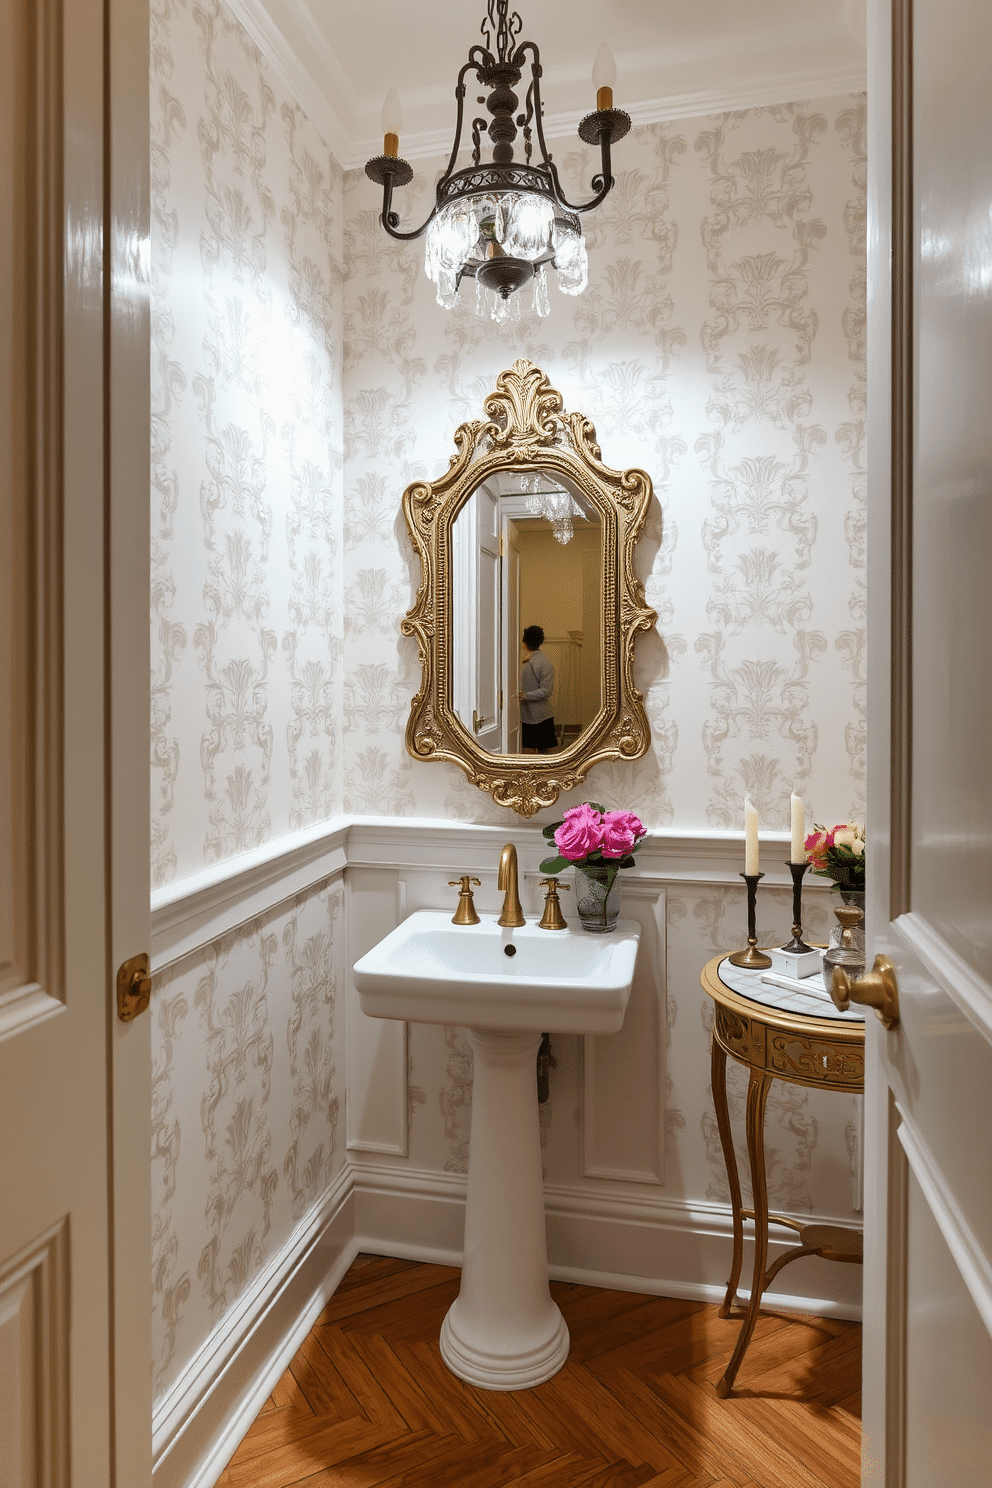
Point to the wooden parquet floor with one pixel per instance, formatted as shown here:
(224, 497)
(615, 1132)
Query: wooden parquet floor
(368, 1403)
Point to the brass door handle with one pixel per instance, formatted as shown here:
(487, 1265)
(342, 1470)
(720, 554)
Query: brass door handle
(478, 721)
(134, 987)
(876, 989)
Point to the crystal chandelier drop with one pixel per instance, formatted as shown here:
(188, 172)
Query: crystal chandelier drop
(504, 223)
(553, 504)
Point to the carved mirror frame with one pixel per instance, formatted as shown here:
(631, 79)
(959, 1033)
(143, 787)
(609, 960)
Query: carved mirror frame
(526, 429)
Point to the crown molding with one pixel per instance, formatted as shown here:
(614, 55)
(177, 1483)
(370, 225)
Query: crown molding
(323, 90)
(311, 87)
(788, 88)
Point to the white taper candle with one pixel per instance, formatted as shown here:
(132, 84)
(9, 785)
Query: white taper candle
(798, 830)
(750, 837)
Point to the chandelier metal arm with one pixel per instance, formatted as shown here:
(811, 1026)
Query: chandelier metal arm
(389, 219)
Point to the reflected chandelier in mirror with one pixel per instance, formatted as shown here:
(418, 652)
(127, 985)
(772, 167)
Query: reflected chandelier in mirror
(475, 598)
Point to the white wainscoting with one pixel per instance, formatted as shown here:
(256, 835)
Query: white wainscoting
(614, 1227)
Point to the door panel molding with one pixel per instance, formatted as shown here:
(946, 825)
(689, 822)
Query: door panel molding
(34, 1357)
(31, 682)
(970, 1255)
(966, 988)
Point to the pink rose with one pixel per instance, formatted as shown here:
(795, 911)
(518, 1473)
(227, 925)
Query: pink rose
(580, 833)
(816, 848)
(621, 830)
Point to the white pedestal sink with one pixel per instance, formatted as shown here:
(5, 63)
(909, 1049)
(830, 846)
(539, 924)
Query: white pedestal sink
(503, 1331)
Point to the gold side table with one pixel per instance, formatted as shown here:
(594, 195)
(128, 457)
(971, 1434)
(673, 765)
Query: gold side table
(777, 1035)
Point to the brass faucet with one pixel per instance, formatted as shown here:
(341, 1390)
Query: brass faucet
(507, 881)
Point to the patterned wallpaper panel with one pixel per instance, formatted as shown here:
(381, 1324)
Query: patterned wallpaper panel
(720, 345)
(247, 395)
(246, 449)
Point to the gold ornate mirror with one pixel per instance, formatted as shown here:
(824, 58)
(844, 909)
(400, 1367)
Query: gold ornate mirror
(527, 528)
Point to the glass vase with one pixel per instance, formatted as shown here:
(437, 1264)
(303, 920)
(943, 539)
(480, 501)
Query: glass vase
(597, 896)
(847, 939)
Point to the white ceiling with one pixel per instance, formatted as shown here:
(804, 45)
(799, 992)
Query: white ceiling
(674, 58)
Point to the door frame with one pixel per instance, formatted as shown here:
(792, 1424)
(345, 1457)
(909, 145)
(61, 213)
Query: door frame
(127, 374)
(889, 455)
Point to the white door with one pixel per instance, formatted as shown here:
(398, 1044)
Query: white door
(511, 636)
(75, 1397)
(488, 640)
(928, 1210)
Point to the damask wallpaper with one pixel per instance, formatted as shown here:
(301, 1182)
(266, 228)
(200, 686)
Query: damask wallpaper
(302, 375)
(246, 452)
(720, 346)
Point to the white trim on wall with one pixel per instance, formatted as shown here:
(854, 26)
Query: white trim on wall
(193, 912)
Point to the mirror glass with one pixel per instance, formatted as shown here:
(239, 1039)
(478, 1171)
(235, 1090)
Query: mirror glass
(527, 551)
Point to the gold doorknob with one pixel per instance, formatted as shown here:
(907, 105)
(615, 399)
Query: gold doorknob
(875, 989)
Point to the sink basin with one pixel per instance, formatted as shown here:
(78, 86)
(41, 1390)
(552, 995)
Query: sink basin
(485, 976)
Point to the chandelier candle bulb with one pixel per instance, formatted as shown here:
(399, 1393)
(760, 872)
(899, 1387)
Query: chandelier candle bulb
(392, 123)
(798, 830)
(750, 838)
(604, 75)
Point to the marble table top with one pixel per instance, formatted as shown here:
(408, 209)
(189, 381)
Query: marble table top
(808, 996)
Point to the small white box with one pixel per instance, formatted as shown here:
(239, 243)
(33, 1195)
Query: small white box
(805, 964)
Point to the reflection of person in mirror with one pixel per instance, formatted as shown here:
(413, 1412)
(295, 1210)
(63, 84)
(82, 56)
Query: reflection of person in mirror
(537, 680)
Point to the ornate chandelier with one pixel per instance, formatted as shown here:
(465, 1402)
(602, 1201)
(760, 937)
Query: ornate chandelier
(503, 223)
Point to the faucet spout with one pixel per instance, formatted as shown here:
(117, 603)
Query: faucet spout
(507, 881)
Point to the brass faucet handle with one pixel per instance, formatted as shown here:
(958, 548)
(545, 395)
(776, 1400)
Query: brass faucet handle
(465, 913)
(875, 989)
(552, 918)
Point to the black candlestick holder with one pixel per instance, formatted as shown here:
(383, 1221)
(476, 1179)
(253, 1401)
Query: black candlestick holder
(797, 946)
(752, 958)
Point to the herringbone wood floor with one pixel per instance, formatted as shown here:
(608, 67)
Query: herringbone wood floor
(368, 1403)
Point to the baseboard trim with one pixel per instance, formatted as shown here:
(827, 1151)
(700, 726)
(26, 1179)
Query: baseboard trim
(622, 1242)
(198, 1425)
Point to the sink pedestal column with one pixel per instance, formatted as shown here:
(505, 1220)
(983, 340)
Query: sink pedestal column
(503, 1331)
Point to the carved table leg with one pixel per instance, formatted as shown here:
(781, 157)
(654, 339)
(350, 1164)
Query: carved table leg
(757, 1096)
(718, 1076)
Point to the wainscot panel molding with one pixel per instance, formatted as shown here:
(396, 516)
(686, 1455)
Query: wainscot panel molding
(624, 1074)
(378, 1059)
(198, 1424)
